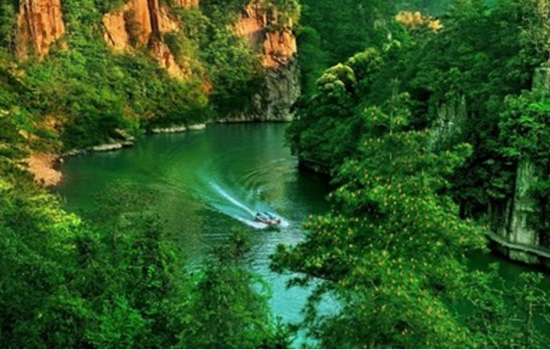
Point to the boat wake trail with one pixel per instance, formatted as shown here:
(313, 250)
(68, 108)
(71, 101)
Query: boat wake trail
(238, 210)
(233, 200)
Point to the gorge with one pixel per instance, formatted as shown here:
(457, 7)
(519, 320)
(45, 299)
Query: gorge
(429, 121)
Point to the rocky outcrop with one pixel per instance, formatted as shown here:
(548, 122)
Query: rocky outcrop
(143, 23)
(514, 222)
(273, 104)
(447, 128)
(39, 25)
(262, 29)
(42, 166)
(277, 46)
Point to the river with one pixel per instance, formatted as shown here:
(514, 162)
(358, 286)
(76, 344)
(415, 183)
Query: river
(206, 183)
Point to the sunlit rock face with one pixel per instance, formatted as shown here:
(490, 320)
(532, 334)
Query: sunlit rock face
(264, 32)
(276, 43)
(39, 25)
(142, 23)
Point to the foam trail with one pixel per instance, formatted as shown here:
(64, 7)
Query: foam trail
(233, 200)
(255, 224)
(284, 223)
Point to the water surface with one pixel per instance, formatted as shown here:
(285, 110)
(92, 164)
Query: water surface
(207, 183)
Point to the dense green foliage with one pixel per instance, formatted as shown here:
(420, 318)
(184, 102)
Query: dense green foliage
(330, 32)
(117, 284)
(439, 70)
(393, 250)
(113, 278)
(97, 96)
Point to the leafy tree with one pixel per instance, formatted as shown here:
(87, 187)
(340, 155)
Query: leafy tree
(392, 249)
(523, 137)
(230, 307)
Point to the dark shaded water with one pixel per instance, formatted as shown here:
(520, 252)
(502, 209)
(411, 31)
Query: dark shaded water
(208, 182)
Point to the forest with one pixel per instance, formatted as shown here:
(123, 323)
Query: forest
(422, 114)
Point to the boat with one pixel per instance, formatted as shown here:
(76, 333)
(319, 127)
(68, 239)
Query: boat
(267, 218)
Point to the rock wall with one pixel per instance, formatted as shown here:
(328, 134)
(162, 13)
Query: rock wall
(513, 223)
(39, 25)
(142, 23)
(448, 126)
(277, 46)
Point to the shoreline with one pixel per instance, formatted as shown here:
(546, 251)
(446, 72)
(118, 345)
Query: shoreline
(43, 165)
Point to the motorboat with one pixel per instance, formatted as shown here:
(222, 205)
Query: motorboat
(267, 218)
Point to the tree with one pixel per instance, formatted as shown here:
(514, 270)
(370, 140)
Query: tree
(536, 26)
(229, 305)
(392, 250)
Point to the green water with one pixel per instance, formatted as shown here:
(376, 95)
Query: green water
(208, 182)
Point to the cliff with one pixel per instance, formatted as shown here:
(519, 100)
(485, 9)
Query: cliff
(143, 23)
(512, 221)
(515, 221)
(39, 25)
(104, 91)
(275, 40)
(276, 43)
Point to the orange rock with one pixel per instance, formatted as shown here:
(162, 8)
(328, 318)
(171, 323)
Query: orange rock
(278, 46)
(115, 33)
(187, 4)
(39, 24)
(166, 59)
(145, 21)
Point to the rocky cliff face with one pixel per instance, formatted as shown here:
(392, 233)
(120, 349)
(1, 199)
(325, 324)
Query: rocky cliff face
(39, 25)
(142, 23)
(513, 222)
(277, 45)
(447, 128)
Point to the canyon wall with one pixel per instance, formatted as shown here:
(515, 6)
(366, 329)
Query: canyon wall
(143, 23)
(39, 25)
(514, 222)
(276, 43)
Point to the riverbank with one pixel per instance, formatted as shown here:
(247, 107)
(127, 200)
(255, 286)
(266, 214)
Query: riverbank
(43, 166)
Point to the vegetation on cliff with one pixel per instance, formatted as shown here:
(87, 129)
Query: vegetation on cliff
(114, 279)
(394, 249)
(388, 123)
(84, 93)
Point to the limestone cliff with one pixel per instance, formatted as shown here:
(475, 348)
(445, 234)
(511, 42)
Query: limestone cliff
(276, 43)
(274, 40)
(142, 23)
(514, 221)
(39, 25)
